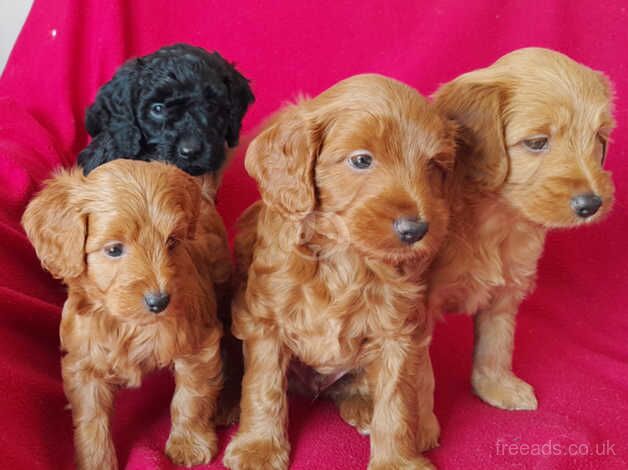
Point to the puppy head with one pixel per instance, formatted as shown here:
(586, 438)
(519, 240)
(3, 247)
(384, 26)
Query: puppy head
(538, 127)
(368, 157)
(180, 104)
(116, 234)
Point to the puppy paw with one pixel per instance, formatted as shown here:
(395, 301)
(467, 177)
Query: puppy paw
(418, 463)
(505, 391)
(428, 433)
(246, 453)
(188, 448)
(357, 410)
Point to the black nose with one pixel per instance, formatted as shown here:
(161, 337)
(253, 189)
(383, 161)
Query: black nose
(585, 205)
(410, 229)
(189, 147)
(156, 301)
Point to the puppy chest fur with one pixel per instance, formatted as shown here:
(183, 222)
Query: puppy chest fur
(480, 261)
(331, 312)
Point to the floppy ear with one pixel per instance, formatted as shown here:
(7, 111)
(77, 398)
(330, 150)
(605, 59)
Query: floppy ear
(101, 149)
(56, 227)
(111, 119)
(186, 193)
(282, 161)
(477, 101)
(240, 97)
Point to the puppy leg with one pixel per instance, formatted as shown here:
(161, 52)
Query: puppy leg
(393, 378)
(354, 402)
(493, 380)
(91, 399)
(428, 430)
(198, 377)
(261, 442)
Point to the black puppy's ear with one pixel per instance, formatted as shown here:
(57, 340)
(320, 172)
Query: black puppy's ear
(101, 149)
(240, 97)
(111, 119)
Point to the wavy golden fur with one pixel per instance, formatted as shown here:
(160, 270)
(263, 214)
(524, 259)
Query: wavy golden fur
(536, 126)
(128, 229)
(330, 283)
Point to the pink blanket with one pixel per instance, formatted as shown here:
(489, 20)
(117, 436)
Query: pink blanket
(573, 331)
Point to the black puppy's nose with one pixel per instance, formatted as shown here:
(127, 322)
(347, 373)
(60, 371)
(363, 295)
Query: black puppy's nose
(157, 301)
(189, 147)
(585, 205)
(410, 229)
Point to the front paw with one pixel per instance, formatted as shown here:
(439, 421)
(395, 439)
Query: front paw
(418, 463)
(505, 391)
(428, 433)
(357, 410)
(188, 448)
(249, 453)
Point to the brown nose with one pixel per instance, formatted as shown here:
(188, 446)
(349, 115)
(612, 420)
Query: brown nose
(156, 301)
(410, 229)
(585, 205)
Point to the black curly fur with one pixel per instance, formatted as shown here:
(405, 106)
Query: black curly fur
(204, 97)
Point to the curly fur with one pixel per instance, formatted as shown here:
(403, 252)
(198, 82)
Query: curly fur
(204, 98)
(507, 197)
(174, 241)
(323, 277)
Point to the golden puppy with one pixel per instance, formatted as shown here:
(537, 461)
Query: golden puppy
(353, 209)
(140, 297)
(537, 126)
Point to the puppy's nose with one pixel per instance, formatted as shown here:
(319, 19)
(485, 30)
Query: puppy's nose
(410, 229)
(156, 301)
(189, 147)
(585, 205)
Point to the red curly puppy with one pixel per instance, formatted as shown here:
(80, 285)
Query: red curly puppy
(353, 209)
(140, 297)
(537, 125)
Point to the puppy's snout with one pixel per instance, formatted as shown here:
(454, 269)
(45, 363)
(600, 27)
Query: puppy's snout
(585, 205)
(410, 229)
(156, 301)
(189, 147)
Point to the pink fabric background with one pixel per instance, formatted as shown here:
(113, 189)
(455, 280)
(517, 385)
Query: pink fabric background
(573, 331)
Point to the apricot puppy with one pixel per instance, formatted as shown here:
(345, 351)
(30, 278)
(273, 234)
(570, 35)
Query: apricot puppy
(353, 209)
(537, 126)
(140, 297)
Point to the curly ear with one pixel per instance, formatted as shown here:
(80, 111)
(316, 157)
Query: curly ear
(282, 160)
(111, 119)
(56, 227)
(476, 101)
(240, 98)
(101, 149)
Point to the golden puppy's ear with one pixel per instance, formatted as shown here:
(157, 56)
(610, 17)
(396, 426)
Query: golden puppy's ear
(282, 160)
(56, 227)
(476, 101)
(187, 192)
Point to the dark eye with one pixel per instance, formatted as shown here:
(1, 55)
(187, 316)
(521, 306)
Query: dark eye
(361, 160)
(171, 242)
(438, 174)
(157, 111)
(537, 144)
(603, 141)
(114, 250)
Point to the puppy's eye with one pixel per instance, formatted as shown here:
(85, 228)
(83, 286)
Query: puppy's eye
(537, 144)
(114, 250)
(157, 111)
(171, 242)
(604, 147)
(360, 160)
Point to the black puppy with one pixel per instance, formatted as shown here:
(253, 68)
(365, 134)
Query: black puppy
(180, 104)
